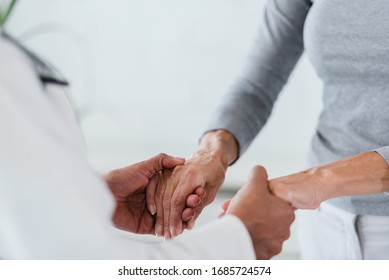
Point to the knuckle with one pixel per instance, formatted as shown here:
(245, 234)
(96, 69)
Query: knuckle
(287, 235)
(157, 161)
(109, 177)
(291, 216)
(262, 255)
(277, 248)
(190, 171)
(162, 155)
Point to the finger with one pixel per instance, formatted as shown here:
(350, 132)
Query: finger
(150, 195)
(226, 204)
(191, 223)
(167, 202)
(222, 214)
(185, 187)
(160, 162)
(193, 200)
(187, 214)
(197, 211)
(159, 194)
(200, 191)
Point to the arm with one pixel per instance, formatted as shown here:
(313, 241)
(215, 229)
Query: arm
(363, 174)
(244, 110)
(52, 206)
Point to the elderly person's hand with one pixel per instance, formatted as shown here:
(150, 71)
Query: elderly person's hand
(133, 188)
(194, 184)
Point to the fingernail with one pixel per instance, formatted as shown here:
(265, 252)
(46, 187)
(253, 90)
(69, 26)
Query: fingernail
(158, 230)
(190, 225)
(152, 209)
(198, 201)
(167, 237)
(173, 232)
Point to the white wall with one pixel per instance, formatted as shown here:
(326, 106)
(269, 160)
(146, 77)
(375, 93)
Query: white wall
(146, 75)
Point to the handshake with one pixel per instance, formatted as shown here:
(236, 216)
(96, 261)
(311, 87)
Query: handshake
(164, 196)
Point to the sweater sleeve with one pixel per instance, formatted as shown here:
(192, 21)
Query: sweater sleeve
(277, 48)
(384, 152)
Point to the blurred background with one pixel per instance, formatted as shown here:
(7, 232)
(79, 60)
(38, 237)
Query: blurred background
(146, 76)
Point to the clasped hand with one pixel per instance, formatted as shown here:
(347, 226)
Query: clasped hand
(145, 192)
(142, 196)
(163, 195)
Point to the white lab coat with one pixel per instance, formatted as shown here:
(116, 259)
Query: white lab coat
(52, 206)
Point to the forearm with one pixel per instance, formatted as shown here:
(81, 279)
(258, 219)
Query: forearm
(363, 174)
(366, 173)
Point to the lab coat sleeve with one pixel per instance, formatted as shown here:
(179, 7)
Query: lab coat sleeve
(226, 238)
(52, 206)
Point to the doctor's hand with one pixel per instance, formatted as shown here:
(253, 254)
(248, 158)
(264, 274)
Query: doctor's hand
(266, 217)
(202, 175)
(133, 186)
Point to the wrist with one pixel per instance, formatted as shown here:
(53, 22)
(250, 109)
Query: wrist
(220, 145)
(325, 182)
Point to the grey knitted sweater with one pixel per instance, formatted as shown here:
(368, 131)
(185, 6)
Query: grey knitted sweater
(348, 44)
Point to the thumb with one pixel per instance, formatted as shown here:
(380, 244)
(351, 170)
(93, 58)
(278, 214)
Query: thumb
(258, 179)
(258, 172)
(161, 162)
